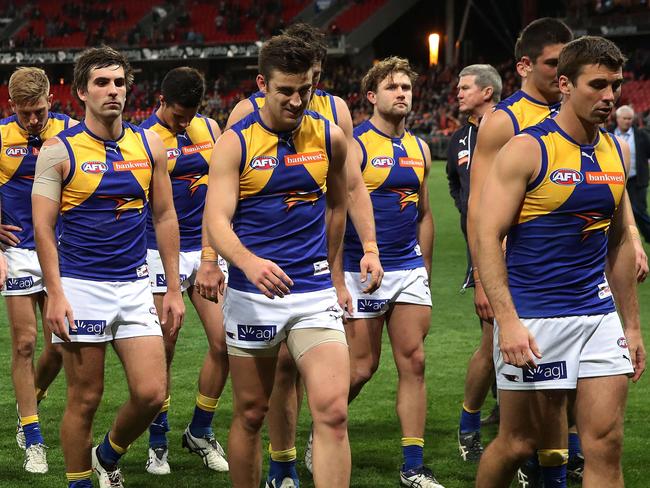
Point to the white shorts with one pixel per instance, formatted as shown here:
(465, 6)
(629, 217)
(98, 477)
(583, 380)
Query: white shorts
(253, 321)
(188, 265)
(108, 310)
(407, 286)
(24, 275)
(584, 346)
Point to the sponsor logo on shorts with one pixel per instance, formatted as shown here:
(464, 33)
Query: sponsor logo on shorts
(94, 167)
(545, 372)
(411, 163)
(383, 162)
(89, 327)
(264, 163)
(372, 305)
(131, 165)
(566, 177)
(173, 152)
(161, 280)
(304, 158)
(193, 149)
(22, 283)
(622, 342)
(17, 151)
(513, 378)
(463, 157)
(256, 333)
(605, 178)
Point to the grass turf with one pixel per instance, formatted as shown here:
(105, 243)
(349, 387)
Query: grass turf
(374, 431)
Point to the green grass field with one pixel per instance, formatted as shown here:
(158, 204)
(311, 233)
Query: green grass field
(374, 431)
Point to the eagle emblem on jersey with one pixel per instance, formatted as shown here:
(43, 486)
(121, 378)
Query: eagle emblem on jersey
(407, 196)
(125, 203)
(299, 197)
(594, 222)
(195, 181)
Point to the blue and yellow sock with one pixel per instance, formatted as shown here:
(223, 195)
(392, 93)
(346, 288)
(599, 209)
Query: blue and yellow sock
(553, 463)
(413, 452)
(470, 420)
(574, 445)
(201, 424)
(159, 427)
(109, 453)
(80, 480)
(282, 464)
(32, 430)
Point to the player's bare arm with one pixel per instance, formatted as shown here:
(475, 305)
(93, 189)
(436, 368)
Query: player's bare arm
(241, 110)
(220, 206)
(426, 229)
(496, 130)
(620, 265)
(513, 168)
(165, 224)
(52, 165)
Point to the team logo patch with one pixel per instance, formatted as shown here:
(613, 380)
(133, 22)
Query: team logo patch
(16, 151)
(372, 305)
(321, 267)
(152, 311)
(256, 333)
(545, 372)
(193, 149)
(22, 283)
(94, 167)
(604, 291)
(622, 342)
(566, 177)
(264, 162)
(131, 165)
(89, 327)
(305, 158)
(173, 153)
(463, 157)
(411, 163)
(513, 378)
(383, 162)
(605, 178)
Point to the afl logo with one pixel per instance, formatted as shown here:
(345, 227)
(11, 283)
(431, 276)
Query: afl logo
(264, 162)
(16, 152)
(94, 167)
(383, 162)
(566, 177)
(622, 342)
(173, 153)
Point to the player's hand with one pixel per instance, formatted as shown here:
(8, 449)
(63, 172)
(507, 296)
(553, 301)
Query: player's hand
(173, 311)
(518, 345)
(268, 277)
(481, 303)
(58, 316)
(345, 300)
(370, 265)
(7, 235)
(640, 261)
(637, 352)
(3, 270)
(209, 281)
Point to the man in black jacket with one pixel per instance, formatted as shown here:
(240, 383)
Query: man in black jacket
(479, 89)
(637, 182)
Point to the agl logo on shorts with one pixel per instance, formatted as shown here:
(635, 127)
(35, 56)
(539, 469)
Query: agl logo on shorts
(264, 162)
(566, 177)
(256, 333)
(545, 372)
(89, 327)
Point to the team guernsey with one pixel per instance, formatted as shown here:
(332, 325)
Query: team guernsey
(281, 210)
(393, 170)
(524, 111)
(321, 102)
(188, 158)
(104, 205)
(556, 252)
(18, 152)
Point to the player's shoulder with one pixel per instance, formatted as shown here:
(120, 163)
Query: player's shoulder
(362, 128)
(8, 120)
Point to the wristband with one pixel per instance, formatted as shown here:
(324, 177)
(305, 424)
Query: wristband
(371, 246)
(209, 254)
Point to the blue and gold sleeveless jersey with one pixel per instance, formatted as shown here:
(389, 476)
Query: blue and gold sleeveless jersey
(321, 102)
(104, 204)
(188, 158)
(18, 152)
(393, 170)
(556, 251)
(281, 210)
(525, 111)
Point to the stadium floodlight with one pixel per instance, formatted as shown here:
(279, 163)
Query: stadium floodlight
(434, 48)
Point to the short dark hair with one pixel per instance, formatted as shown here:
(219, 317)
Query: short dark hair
(98, 57)
(286, 54)
(184, 86)
(313, 36)
(384, 68)
(541, 33)
(588, 50)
